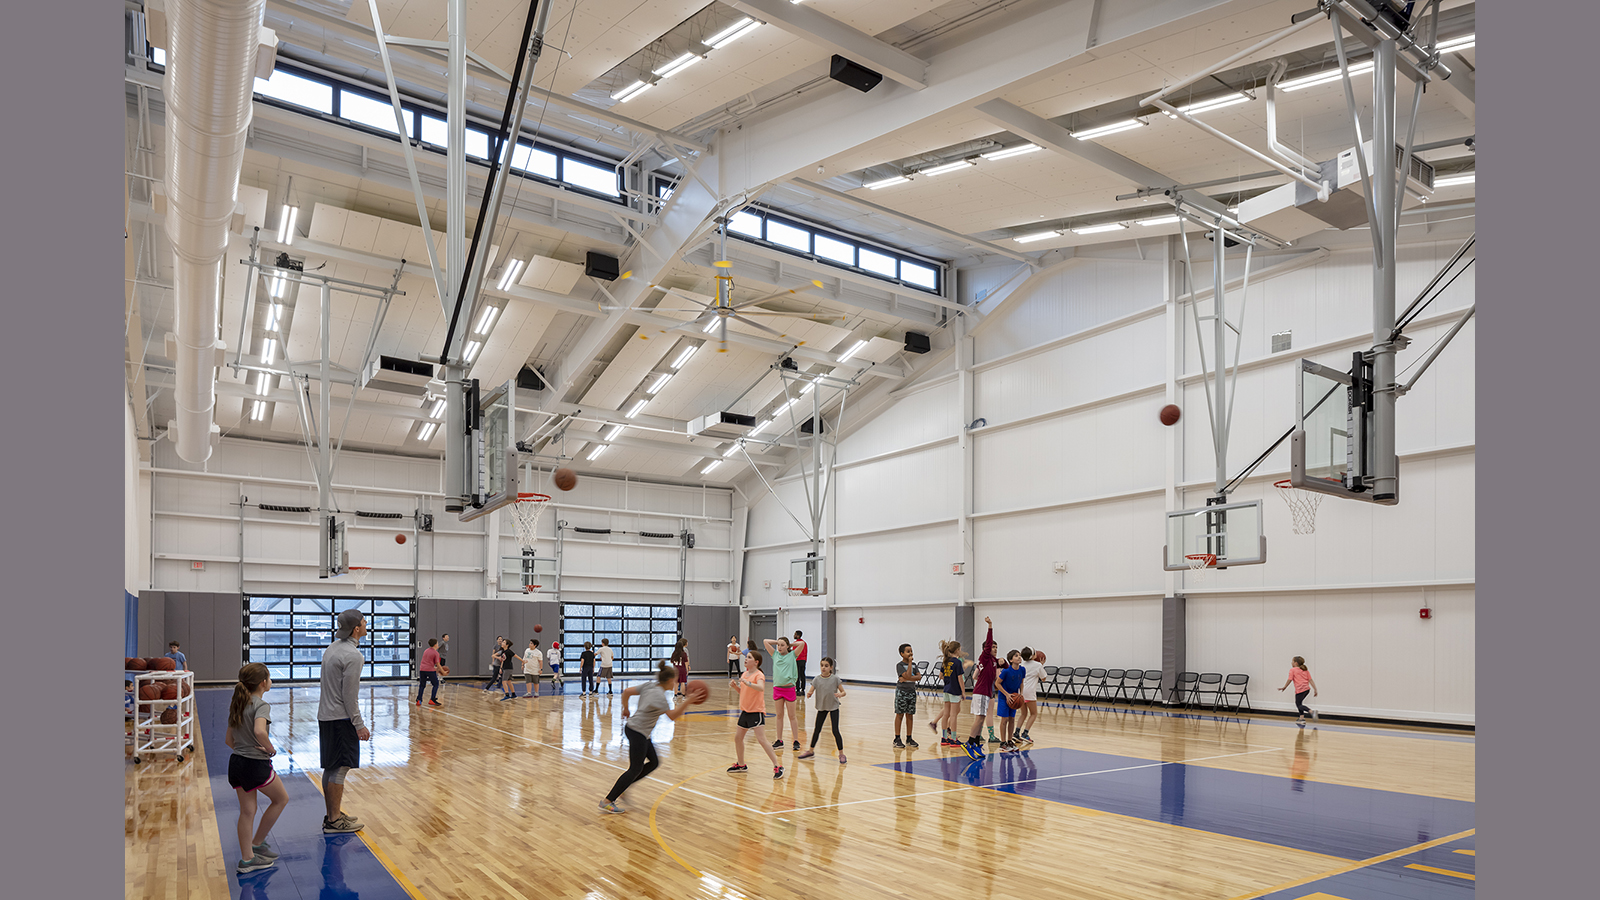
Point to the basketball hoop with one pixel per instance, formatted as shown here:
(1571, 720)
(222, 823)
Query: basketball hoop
(1199, 563)
(1302, 506)
(525, 514)
(358, 574)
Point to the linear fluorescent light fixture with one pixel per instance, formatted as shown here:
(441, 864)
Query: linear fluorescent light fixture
(678, 65)
(636, 408)
(1104, 130)
(269, 351)
(1213, 103)
(595, 453)
(425, 433)
(707, 469)
(631, 91)
(732, 449)
(615, 430)
(762, 427)
(472, 350)
(274, 315)
(1036, 236)
(859, 346)
(1456, 45)
(508, 276)
(712, 325)
(684, 356)
(258, 412)
(1099, 229)
(486, 321)
(1009, 152)
(1454, 180)
(263, 381)
(808, 388)
(887, 182)
(948, 167)
(286, 223)
(1323, 77)
(658, 384)
(732, 33)
(1159, 220)
(276, 286)
(438, 409)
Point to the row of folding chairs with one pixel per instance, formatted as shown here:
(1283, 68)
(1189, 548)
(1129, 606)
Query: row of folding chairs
(1091, 683)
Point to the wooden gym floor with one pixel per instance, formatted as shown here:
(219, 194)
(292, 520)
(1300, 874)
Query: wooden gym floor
(490, 799)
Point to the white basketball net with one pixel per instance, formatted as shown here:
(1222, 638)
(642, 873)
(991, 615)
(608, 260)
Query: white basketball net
(525, 514)
(358, 574)
(1302, 506)
(1200, 565)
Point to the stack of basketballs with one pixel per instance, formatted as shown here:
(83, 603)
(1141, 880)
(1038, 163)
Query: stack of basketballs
(168, 691)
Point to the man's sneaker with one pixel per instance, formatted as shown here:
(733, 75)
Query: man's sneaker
(777, 772)
(738, 769)
(807, 755)
(342, 825)
(254, 864)
(777, 744)
(911, 743)
(796, 745)
(899, 744)
(842, 760)
(508, 697)
(971, 749)
(608, 806)
(262, 849)
(434, 703)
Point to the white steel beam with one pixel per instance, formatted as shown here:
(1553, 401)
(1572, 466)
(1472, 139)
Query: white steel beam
(837, 37)
(878, 209)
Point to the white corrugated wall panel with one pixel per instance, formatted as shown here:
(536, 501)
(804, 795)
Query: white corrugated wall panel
(909, 489)
(1102, 365)
(867, 649)
(1109, 548)
(900, 567)
(1093, 453)
(919, 417)
(1079, 295)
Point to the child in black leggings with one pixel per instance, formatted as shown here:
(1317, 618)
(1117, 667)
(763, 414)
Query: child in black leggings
(651, 706)
(1300, 676)
(827, 690)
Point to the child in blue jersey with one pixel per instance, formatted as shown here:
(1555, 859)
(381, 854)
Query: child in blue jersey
(179, 661)
(1009, 682)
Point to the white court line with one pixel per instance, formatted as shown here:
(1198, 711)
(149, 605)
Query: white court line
(1022, 781)
(592, 759)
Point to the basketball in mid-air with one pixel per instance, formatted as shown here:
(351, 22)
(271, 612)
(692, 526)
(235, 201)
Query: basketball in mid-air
(399, 539)
(565, 479)
(697, 691)
(1170, 414)
(538, 628)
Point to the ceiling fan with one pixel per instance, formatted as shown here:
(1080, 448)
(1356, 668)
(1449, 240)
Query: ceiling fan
(721, 309)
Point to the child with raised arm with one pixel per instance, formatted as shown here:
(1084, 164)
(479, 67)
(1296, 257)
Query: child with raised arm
(982, 693)
(250, 766)
(827, 689)
(951, 670)
(752, 714)
(905, 697)
(1303, 684)
(785, 670)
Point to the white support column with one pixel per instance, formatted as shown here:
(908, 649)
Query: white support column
(1173, 326)
(964, 387)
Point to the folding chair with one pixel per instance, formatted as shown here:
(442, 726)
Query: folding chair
(929, 676)
(1112, 684)
(1183, 689)
(1097, 682)
(1209, 683)
(1060, 680)
(1241, 695)
(1048, 681)
(1078, 681)
(1150, 684)
(1128, 687)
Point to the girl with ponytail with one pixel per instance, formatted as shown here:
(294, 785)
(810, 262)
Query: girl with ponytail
(250, 766)
(651, 705)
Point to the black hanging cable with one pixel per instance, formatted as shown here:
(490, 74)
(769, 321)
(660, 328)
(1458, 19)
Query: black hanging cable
(1275, 444)
(1400, 326)
(495, 172)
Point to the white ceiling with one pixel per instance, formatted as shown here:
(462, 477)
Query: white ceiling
(358, 219)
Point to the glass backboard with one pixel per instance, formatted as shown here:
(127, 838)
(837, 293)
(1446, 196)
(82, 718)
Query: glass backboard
(1330, 448)
(527, 574)
(497, 451)
(334, 558)
(1231, 532)
(806, 576)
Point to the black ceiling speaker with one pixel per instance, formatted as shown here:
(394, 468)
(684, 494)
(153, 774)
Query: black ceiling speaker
(859, 77)
(916, 343)
(530, 379)
(601, 266)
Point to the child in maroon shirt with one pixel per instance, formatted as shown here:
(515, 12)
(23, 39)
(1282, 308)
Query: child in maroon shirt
(982, 693)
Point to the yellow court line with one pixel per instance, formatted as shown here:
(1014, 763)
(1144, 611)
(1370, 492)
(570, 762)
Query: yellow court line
(1421, 868)
(1466, 852)
(383, 858)
(1406, 851)
(657, 831)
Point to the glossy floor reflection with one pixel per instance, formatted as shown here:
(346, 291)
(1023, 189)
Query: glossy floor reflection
(491, 798)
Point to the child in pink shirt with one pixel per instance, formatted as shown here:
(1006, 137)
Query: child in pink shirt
(1300, 676)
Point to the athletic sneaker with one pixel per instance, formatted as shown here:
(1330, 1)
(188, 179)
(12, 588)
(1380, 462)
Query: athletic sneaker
(738, 769)
(254, 864)
(797, 745)
(911, 743)
(508, 697)
(419, 702)
(434, 703)
(777, 772)
(777, 745)
(608, 806)
(262, 849)
(899, 744)
(842, 760)
(947, 742)
(971, 749)
(342, 825)
(807, 755)
(933, 727)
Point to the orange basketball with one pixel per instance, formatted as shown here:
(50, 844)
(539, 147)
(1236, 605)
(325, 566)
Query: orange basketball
(149, 692)
(169, 716)
(1038, 656)
(133, 664)
(697, 691)
(565, 479)
(538, 628)
(399, 539)
(160, 664)
(169, 691)
(1170, 414)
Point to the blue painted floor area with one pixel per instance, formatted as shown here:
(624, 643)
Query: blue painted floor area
(1395, 880)
(1336, 820)
(311, 865)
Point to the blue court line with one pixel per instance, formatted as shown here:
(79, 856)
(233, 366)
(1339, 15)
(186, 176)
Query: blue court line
(311, 865)
(1332, 819)
(1240, 720)
(1393, 880)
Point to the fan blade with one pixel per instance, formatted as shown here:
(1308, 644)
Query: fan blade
(792, 291)
(760, 327)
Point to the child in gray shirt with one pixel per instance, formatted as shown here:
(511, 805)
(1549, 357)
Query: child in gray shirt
(827, 690)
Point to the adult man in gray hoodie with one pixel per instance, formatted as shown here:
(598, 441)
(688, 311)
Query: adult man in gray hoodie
(339, 725)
